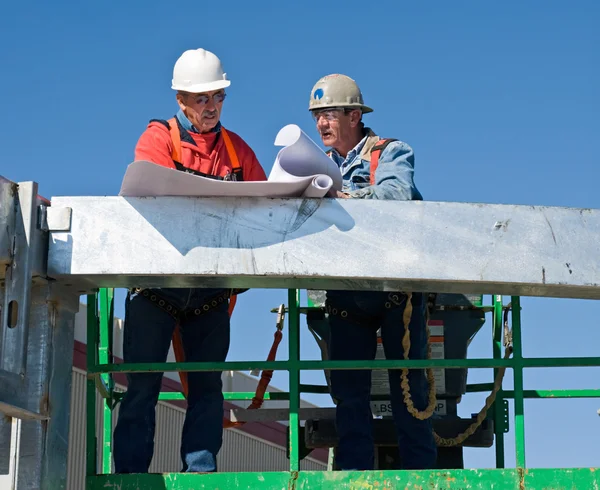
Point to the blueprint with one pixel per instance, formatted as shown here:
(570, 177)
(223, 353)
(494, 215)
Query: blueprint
(301, 169)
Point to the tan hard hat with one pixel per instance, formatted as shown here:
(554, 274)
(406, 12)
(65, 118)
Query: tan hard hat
(336, 91)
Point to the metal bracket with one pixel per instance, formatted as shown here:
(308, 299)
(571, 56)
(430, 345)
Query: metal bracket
(17, 294)
(279, 325)
(54, 219)
(278, 414)
(102, 388)
(20, 413)
(280, 317)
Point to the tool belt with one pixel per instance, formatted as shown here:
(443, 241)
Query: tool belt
(393, 301)
(211, 303)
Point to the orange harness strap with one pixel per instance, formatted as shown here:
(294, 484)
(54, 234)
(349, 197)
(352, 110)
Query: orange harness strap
(235, 161)
(375, 154)
(180, 357)
(176, 139)
(229, 147)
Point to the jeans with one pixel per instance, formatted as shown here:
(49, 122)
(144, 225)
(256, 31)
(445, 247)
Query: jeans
(355, 338)
(147, 337)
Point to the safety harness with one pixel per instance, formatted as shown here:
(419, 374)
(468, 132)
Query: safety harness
(375, 153)
(211, 303)
(179, 134)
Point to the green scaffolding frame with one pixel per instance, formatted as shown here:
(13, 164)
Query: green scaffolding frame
(100, 367)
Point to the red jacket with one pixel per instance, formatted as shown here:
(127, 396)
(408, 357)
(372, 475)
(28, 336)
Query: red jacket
(203, 154)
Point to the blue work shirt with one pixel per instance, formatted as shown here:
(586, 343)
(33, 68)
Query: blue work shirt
(394, 177)
(188, 126)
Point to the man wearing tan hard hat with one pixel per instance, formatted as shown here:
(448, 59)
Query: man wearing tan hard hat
(373, 168)
(197, 320)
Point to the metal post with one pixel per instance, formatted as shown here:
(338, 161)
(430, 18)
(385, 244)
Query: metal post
(104, 357)
(498, 405)
(17, 289)
(91, 351)
(518, 381)
(47, 386)
(36, 350)
(294, 358)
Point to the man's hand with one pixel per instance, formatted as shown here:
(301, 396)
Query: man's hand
(338, 194)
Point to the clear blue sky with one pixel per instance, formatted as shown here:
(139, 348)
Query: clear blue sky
(499, 100)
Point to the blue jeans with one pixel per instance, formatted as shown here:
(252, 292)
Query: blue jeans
(147, 337)
(355, 338)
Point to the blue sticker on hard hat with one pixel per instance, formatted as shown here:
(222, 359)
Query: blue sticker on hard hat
(318, 94)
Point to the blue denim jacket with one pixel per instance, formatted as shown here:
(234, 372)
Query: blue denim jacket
(394, 177)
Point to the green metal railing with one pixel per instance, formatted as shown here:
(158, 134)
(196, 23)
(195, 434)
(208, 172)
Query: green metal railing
(101, 368)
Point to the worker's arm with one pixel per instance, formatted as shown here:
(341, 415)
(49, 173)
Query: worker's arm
(394, 177)
(155, 146)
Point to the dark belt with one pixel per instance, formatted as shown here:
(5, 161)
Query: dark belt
(164, 304)
(394, 300)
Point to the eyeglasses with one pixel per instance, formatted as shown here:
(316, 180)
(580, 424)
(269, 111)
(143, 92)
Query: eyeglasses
(329, 114)
(202, 99)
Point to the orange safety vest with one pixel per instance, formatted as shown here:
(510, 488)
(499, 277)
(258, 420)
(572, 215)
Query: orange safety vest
(175, 130)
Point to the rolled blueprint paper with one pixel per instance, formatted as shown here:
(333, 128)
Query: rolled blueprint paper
(301, 158)
(319, 186)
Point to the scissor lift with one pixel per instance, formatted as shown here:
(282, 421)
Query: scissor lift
(52, 252)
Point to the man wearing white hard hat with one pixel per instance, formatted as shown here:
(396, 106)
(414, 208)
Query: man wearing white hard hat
(194, 140)
(373, 168)
(197, 320)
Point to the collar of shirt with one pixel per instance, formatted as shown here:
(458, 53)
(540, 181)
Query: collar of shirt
(352, 154)
(188, 126)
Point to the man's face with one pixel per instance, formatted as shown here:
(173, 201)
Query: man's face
(203, 110)
(337, 126)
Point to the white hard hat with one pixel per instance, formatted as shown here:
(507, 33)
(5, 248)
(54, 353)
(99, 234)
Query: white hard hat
(197, 71)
